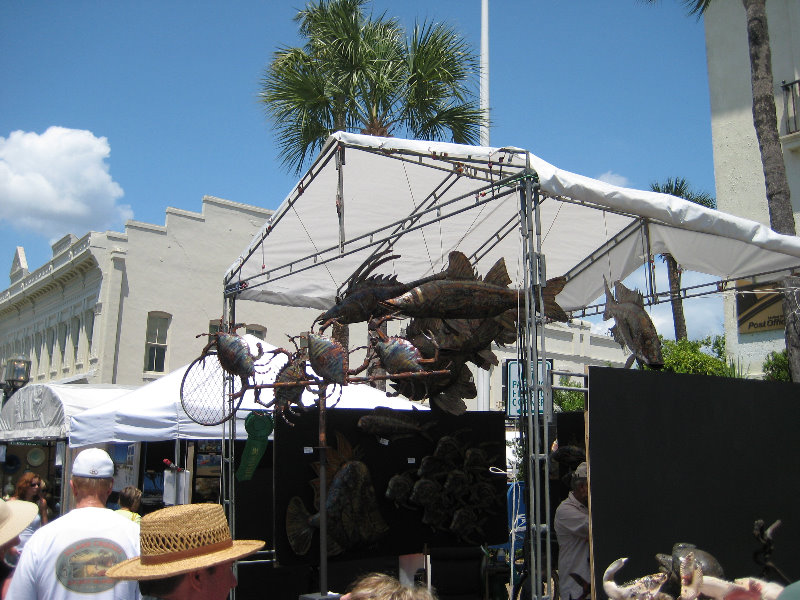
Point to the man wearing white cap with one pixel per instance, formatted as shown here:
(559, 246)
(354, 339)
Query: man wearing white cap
(571, 524)
(67, 559)
(186, 554)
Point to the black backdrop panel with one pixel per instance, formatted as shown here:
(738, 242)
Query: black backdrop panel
(690, 458)
(385, 458)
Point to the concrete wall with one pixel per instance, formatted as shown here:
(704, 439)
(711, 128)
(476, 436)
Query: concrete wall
(737, 162)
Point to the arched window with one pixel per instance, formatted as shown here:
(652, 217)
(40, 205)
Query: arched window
(155, 349)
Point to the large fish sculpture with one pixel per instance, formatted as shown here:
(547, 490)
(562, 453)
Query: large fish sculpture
(353, 517)
(463, 295)
(633, 328)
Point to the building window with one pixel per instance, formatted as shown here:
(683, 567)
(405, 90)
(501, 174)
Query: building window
(63, 335)
(214, 326)
(75, 339)
(257, 331)
(89, 325)
(51, 342)
(155, 350)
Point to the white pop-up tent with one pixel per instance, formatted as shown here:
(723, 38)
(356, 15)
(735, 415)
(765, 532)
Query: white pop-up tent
(43, 411)
(154, 412)
(423, 199)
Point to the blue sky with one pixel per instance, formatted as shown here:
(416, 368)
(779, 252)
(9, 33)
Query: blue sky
(114, 110)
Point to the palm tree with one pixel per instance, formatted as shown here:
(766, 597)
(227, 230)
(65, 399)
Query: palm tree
(680, 188)
(765, 119)
(361, 73)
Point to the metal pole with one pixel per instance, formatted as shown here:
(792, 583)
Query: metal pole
(323, 496)
(484, 75)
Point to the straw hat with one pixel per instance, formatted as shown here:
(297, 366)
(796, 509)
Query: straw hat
(183, 538)
(14, 517)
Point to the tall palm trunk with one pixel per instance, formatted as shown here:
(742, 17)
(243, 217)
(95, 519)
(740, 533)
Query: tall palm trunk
(765, 119)
(674, 277)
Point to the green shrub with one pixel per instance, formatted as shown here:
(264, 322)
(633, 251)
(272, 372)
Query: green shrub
(776, 367)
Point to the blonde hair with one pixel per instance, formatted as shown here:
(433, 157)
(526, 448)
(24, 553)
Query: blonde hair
(379, 586)
(92, 486)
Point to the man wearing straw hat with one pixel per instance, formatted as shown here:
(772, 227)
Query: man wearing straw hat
(67, 559)
(186, 554)
(14, 518)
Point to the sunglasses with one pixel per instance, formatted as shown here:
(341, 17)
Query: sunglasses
(35, 485)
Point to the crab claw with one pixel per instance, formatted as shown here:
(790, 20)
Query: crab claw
(691, 577)
(610, 587)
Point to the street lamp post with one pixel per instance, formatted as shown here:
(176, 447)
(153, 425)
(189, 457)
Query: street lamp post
(16, 374)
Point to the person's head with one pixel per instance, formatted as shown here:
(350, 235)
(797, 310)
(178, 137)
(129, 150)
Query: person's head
(580, 484)
(29, 486)
(186, 552)
(14, 517)
(92, 475)
(379, 586)
(130, 497)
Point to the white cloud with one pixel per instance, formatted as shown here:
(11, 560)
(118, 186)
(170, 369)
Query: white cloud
(614, 179)
(58, 182)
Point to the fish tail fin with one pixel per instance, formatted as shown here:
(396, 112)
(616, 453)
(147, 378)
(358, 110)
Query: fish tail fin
(552, 289)
(459, 267)
(498, 274)
(298, 528)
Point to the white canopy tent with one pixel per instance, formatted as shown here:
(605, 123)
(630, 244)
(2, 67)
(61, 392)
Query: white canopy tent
(43, 411)
(154, 411)
(423, 199)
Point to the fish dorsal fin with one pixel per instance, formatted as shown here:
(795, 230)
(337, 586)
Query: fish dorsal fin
(498, 274)
(460, 267)
(625, 295)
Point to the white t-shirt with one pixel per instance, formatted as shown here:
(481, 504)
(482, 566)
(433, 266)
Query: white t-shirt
(67, 558)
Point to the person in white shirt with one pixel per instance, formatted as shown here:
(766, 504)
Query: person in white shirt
(571, 524)
(67, 559)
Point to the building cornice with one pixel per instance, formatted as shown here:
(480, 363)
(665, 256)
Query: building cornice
(69, 264)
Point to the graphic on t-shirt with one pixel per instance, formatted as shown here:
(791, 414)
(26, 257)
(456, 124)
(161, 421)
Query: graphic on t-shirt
(81, 567)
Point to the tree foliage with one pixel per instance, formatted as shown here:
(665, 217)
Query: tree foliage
(776, 366)
(699, 357)
(363, 73)
(568, 400)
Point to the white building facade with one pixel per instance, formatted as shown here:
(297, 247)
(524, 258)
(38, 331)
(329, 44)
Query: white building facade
(738, 171)
(124, 308)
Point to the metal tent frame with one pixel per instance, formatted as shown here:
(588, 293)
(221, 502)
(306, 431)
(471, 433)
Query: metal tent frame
(469, 183)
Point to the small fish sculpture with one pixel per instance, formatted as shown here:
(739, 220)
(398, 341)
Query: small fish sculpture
(633, 328)
(363, 297)
(462, 295)
(352, 514)
(399, 488)
(393, 424)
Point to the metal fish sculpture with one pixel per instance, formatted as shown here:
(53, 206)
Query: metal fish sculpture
(352, 514)
(393, 424)
(633, 328)
(363, 297)
(462, 295)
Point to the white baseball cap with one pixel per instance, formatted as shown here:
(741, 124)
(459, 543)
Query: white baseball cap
(93, 463)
